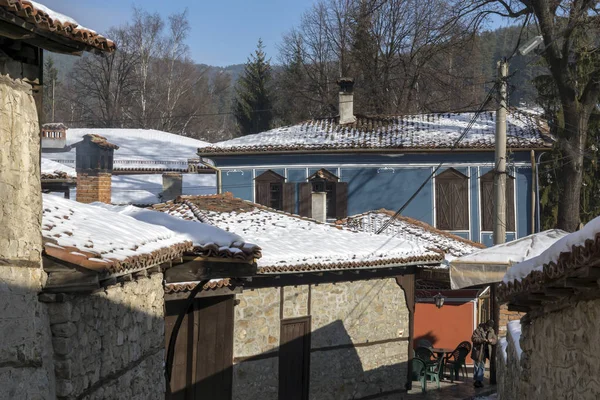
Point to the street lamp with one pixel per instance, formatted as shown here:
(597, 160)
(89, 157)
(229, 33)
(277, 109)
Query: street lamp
(439, 300)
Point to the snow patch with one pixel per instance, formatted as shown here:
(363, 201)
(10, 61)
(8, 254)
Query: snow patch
(552, 252)
(514, 327)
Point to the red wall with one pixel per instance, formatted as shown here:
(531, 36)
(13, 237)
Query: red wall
(445, 327)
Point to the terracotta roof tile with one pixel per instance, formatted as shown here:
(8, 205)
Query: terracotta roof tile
(289, 242)
(213, 284)
(413, 132)
(54, 23)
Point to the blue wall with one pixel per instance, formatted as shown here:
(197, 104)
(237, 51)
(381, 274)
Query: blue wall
(387, 181)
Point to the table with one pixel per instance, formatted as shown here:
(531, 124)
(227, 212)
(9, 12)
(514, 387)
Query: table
(441, 354)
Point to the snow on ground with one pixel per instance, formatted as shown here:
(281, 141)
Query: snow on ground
(514, 327)
(199, 233)
(49, 167)
(410, 131)
(291, 241)
(96, 229)
(138, 148)
(551, 254)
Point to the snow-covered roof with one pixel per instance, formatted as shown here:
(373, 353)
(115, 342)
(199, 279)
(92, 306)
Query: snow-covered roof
(569, 252)
(412, 229)
(293, 244)
(139, 149)
(102, 240)
(54, 23)
(109, 238)
(54, 170)
(489, 265)
(422, 131)
(208, 240)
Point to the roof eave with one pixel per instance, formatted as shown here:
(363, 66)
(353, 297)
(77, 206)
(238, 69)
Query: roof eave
(354, 151)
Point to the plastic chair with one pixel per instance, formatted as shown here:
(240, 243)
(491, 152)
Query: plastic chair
(422, 372)
(434, 364)
(457, 360)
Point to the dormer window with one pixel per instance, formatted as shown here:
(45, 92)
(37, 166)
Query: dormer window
(271, 190)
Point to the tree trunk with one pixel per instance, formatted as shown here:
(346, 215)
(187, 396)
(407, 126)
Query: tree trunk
(576, 125)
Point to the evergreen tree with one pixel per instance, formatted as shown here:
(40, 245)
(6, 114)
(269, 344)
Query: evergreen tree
(51, 84)
(252, 107)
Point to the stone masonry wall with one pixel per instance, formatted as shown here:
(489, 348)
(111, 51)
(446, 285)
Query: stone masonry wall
(370, 314)
(94, 187)
(505, 317)
(25, 372)
(110, 344)
(560, 355)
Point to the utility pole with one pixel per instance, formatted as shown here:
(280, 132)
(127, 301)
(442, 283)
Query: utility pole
(499, 192)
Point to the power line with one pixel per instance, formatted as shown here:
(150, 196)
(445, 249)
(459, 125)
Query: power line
(467, 129)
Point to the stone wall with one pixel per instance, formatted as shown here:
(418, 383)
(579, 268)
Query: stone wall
(24, 369)
(110, 344)
(359, 338)
(560, 356)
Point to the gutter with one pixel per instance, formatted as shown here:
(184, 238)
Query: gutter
(217, 172)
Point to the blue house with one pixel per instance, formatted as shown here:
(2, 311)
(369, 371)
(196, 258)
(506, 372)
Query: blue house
(370, 163)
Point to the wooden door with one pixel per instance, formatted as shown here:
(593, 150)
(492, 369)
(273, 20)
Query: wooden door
(294, 359)
(203, 362)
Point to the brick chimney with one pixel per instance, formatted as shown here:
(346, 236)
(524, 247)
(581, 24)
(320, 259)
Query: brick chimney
(172, 183)
(94, 165)
(346, 101)
(54, 136)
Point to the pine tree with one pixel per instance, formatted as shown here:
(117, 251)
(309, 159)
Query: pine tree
(252, 107)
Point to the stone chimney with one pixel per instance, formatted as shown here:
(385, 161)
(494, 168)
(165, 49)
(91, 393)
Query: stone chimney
(346, 100)
(54, 136)
(94, 165)
(172, 185)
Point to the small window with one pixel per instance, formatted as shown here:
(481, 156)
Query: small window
(452, 200)
(486, 185)
(275, 196)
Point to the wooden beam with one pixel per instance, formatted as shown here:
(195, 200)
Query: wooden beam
(558, 291)
(581, 283)
(192, 271)
(518, 308)
(224, 291)
(71, 281)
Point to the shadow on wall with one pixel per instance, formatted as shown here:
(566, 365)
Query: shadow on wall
(105, 344)
(426, 340)
(324, 365)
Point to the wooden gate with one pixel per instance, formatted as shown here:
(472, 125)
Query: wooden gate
(202, 366)
(294, 359)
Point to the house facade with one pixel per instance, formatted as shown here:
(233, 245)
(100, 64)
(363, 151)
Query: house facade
(380, 162)
(324, 299)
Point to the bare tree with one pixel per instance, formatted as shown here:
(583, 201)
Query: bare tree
(570, 30)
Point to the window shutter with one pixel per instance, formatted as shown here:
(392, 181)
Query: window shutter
(510, 204)
(341, 200)
(305, 207)
(452, 200)
(289, 197)
(262, 192)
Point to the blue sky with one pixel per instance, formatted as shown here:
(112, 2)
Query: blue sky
(223, 32)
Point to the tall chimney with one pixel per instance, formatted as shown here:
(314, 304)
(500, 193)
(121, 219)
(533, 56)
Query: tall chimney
(346, 100)
(319, 199)
(54, 136)
(94, 165)
(172, 185)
